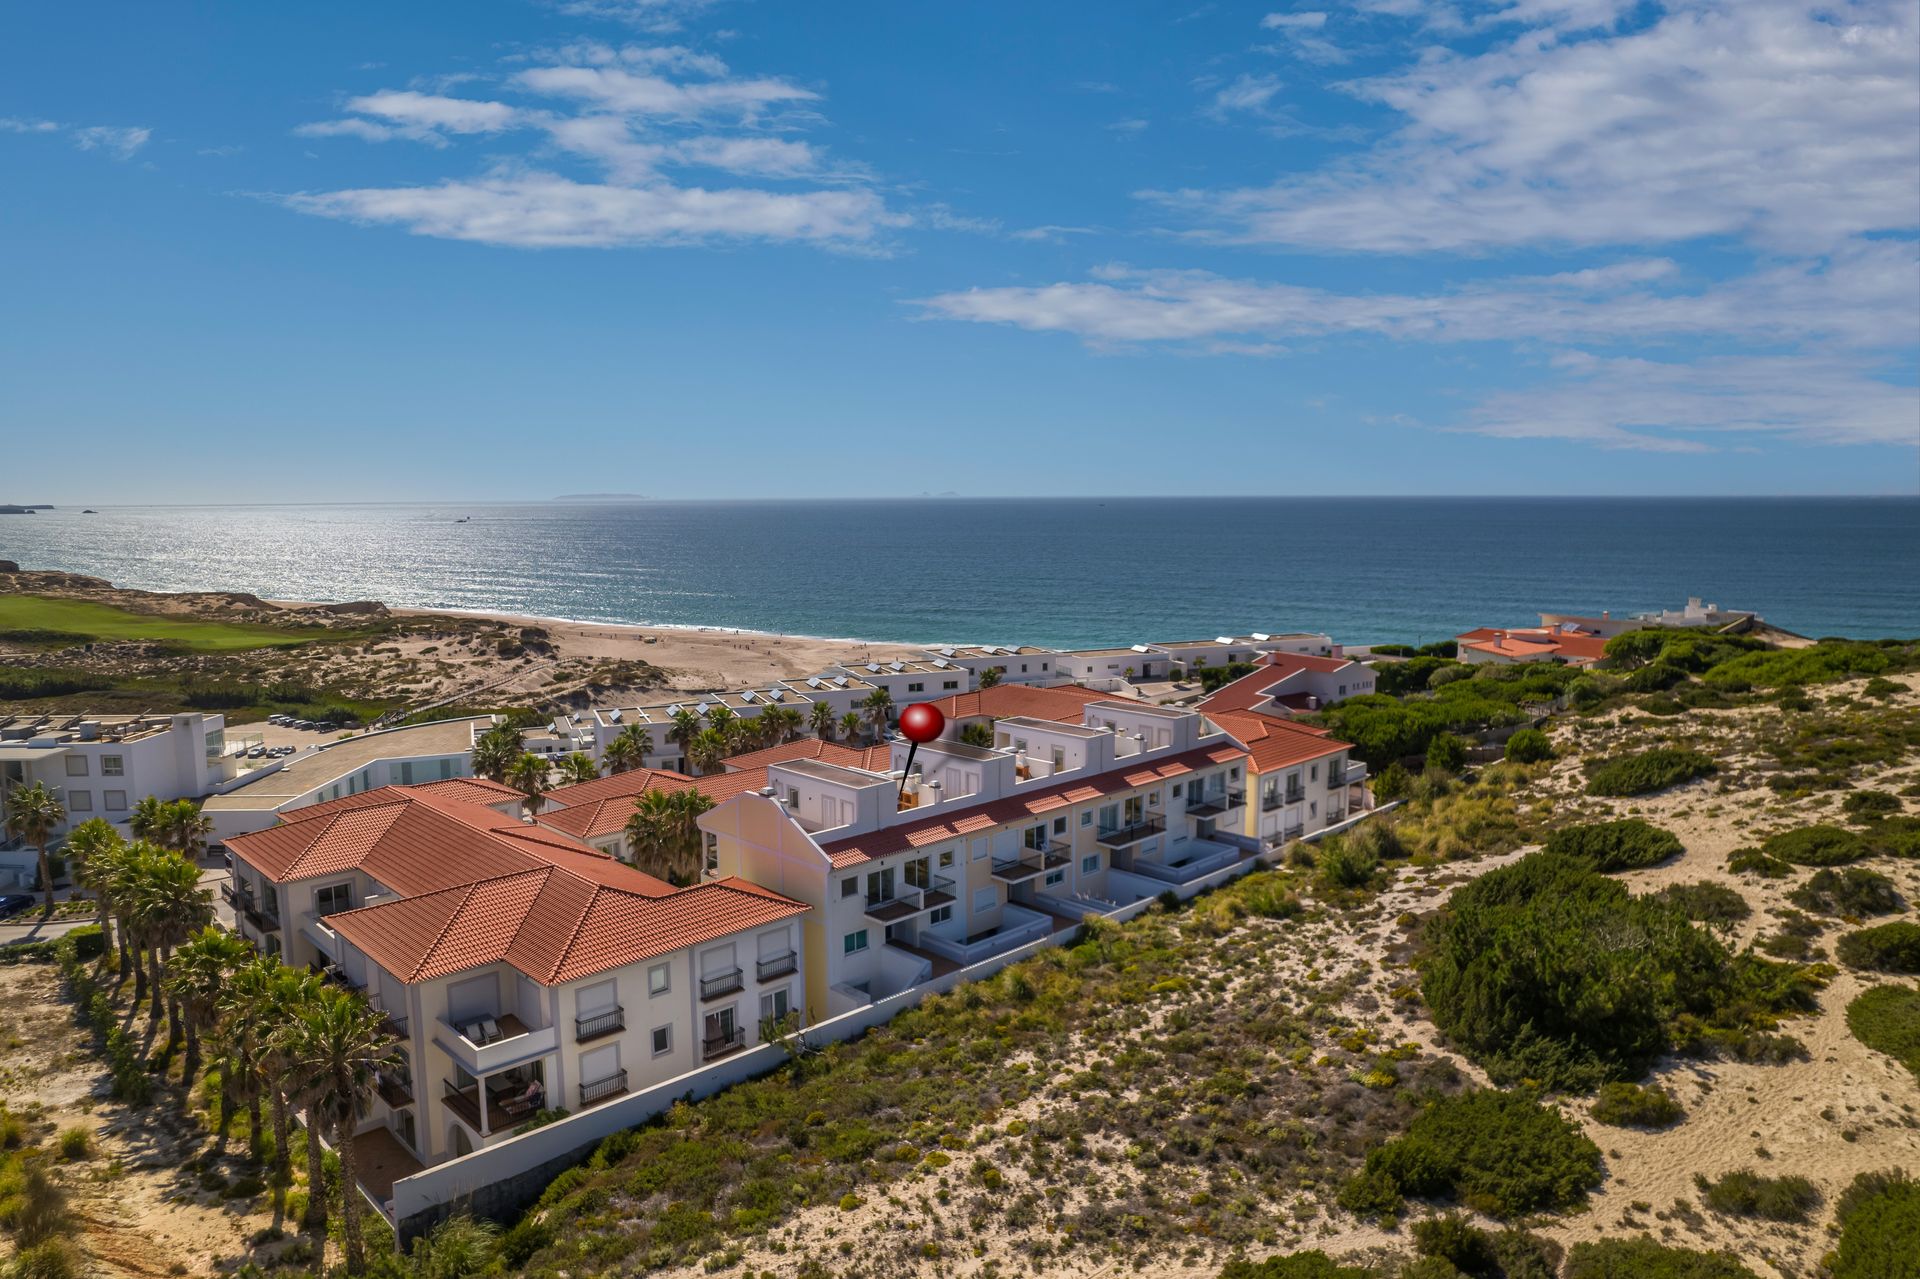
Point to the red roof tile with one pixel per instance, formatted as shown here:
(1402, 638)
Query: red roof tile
(872, 758)
(1061, 703)
(855, 849)
(1534, 643)
(1251, 690)
(1274, 742)
(602, 806)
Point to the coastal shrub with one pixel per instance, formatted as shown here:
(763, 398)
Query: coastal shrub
(1298, 1265)
(1887, 1020)
(1655, 677)
(1547, 970)
(1880, 686)
(1879, 1219)
(1708, 903)
(1893, 836)
(1397, 678)
(1830, 659)
(1622, 1105)
(1644, 1258)
(1628, 844)
(1462, 1248)
(1751, 861)
(1500, 1153)
(1816, 846)
(25, 682)
(1529, 746)
(49, 1259)
(1863, 804)
(1886, 948)
(1850, 890)
(1447, 752)
(1648, 771)
(1745, 1193)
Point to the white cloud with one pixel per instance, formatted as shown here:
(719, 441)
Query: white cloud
(1130, 126)
(545, 210)
(1778, 121)
(121, 142)
(1301, 37)
(613, 89)
(645, 15)
(432, 111)
(1252, 94)
(1294, 21)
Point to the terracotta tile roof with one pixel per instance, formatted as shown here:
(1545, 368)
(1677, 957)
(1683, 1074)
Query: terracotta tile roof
(551, 924)
(1062, 703)
(415, 840)
(1277, 743)
(855, 849)
(873, 758)
(477, 790)
(1534, 643)
(1254, 688)
(602, 806)
(1288, 663)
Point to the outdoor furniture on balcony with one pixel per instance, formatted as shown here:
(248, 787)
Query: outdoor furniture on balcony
(1133, 832)
(718, 984)
(776, 966)
(1030, 862)
(1217, 803)
(465, 1103)
(595, 1025)
(601, 1089)
(720, 1045)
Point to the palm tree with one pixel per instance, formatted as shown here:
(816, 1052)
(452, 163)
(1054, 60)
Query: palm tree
(618, 756)
(821, 718)
(196, 975)
(578, 767)
(723, 721)
(184, 828)
(978, 733)
(529, 776)
(878, 705)
(990, 677)
(707, 751)
(169, 907)
(247, 1020)
(339, 1043)
(783, 723)
(629, 749)
(495, 751)
(686, 727)
(665, 835)
(294, 991)
(33, 814)
(148, 819)
(849, 725)
(88, 846)
(113, 870)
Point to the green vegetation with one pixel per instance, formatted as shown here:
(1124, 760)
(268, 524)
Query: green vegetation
(1816, 846)
(1629, 844)
(1546, 970)
(1823, 662)
(1353, 858)
(1384, 728)
(1887, 1019)
(1879, 1219)
(1529, 746)
(1299, 1265)
(1887, 948)
(1624, 1105)
(1642, 1258)
(1745, 1193)
(1446, 752)
(1714, 905)
(1647, 772)
(1452, 1247)
(1501, 1153)
(1864, 804)
(1214, 677)
(96, 623)
(1853, 890)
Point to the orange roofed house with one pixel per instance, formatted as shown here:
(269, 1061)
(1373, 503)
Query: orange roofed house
(1566, 642)
(520, 967)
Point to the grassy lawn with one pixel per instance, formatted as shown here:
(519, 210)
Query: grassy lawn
(90, 621)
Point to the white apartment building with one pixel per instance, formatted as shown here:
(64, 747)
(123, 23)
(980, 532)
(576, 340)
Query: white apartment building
(429, 752)
(518, 968)
(1301, 779)
(102, 765)
(1292, 684)
(982, 850)
(910, 682)
(1017, 664)
(592, 729)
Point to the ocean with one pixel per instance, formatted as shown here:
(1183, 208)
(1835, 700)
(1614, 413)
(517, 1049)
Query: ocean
(1069, 572)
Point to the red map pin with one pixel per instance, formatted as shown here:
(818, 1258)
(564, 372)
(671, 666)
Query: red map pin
(920, 722)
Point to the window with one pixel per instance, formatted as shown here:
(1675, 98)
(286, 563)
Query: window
(1023, 668)
(775, 1004)
(850, 886)
(79, 801)
(948, 684)
(76, 766)
(1086, 818)
(985, 899)
(941, 915)
(1043, 666)
(1090, 865)
(713, 851)
(1056, 877)
(333, 898)
(1234, 773)
(1343, 690)
(113, 766)
(115, 800)
(916, 688)
(1059, 825)
(946, 857)
(662, 1040)
(659, 979)
(854, 943)
(1313, 773)
(1035, 838)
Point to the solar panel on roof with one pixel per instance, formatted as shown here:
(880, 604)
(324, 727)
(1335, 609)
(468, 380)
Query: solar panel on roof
(873, 666)
(613, 716)
(813, 681)
(775, 694)
(746, 695)
(674, 709)
(898, 666)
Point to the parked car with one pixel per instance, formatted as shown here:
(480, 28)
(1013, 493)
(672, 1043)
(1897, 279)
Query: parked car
(14, 903)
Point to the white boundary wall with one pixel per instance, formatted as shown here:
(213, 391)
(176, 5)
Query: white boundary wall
(500, 1179)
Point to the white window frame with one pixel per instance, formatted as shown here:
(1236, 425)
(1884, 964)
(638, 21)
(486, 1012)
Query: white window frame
(113, 766)
(659, 980)
(653, 1040)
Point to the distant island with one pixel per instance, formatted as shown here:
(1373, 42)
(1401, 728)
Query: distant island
(25, 510)
(603, 497)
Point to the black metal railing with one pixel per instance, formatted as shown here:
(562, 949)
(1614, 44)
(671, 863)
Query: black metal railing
(601, 1089)
(720, 984)
(594, 1025)
(1132, 832)
(1217, 803)
(776, 966)
(723, 1043)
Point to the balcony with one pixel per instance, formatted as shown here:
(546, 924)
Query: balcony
(1347, 774)
(1129, 833)
(776, 966)
(723, 1044)
(513, 1043)
(1029, 862)
(910, 901)
(1217, 803)
(504, 1108)
(393, 1024)
(599, 1025)
(393, 1090)
(243, 904)
(716, 985)
(601, 1089)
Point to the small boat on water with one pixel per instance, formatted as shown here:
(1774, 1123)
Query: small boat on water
(89, 511)
(463, 519)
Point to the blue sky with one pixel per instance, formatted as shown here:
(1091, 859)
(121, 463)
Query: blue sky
(740, 248)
